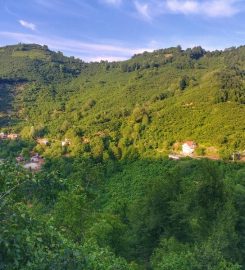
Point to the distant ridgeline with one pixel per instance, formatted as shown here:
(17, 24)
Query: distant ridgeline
(143, 107)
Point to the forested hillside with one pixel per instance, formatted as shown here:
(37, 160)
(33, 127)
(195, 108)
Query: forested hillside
(141, 106)
(106, 195)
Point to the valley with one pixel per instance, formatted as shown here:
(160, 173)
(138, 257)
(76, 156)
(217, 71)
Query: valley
(130, 165)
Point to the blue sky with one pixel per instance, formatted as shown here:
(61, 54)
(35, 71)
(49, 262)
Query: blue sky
(117, 29)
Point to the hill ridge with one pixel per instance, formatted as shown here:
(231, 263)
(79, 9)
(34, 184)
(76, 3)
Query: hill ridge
(146, 103)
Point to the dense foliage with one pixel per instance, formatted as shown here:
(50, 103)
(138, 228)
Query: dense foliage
(137, 107)
(83, 214)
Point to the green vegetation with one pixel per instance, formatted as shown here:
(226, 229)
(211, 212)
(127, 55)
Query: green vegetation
(142, 214)
(141, 106)
(109, 198)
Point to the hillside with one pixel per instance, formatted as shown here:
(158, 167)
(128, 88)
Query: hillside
(141, 106)
(103, 193)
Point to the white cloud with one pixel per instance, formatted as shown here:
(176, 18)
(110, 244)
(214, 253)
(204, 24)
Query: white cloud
(185, 7)
(211, 8)
(113, 2)
(224, 8)
(28, 25)
(84, 50)
(143, 10)
(149, 9)
(105, 58)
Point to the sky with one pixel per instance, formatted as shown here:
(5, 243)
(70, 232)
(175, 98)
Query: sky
(95, 30)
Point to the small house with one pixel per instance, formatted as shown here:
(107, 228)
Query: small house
(85, 140)
(12, 136)
(173, 156)
(100, 134)
(66, 142)
(20, 158)
(36, 158)
(43, 141)
(188, 147)
(35, 163)
(3, 136)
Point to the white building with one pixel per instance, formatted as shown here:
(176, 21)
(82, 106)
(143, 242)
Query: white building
(172, 156)
(43, 141)
(12, 136)
(66, 142)
(3, 135)
(188, 147)
(36, 158)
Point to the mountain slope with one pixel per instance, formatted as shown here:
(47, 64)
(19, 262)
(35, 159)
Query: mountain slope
(140, 106)
(108, 199)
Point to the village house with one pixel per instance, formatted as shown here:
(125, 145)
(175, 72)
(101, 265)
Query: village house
(188, 148)
(35, 163)
(85, 140)
(36, 158)
(3, 136)
(100, 134)
(66, 142)
(43, 141)
(20, 158)
(12, 136)
(173, 156)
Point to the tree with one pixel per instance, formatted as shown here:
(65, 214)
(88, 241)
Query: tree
(70, 213)
(197, 52)
(183, 83)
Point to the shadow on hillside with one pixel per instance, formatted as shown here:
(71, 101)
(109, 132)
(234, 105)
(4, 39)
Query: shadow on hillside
(6, 121)
(7, 92)
(6, 96)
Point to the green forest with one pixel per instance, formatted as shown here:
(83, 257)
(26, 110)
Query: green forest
(107, 195)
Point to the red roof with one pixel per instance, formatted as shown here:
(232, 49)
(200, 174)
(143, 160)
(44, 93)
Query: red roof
(190, 143)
